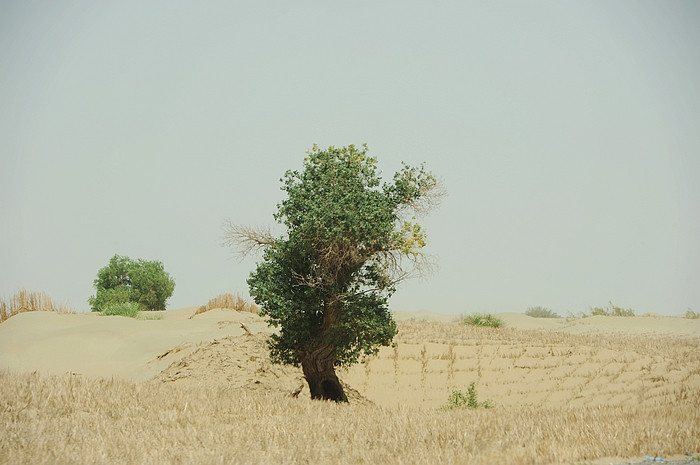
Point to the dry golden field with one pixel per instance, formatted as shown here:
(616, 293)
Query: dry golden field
(201, 390)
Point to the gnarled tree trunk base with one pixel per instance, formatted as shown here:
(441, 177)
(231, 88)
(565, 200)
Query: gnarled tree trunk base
(326, 386)
(323, 382)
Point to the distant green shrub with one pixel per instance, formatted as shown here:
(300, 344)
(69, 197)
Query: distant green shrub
(126, 280)
(611, 310)
(459, 399)
(482, 319)
(130, 309)
(691, 315)
(541, 312)
(599, 311)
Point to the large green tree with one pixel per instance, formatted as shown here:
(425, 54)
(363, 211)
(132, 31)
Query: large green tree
(126, 280)
(349, 240)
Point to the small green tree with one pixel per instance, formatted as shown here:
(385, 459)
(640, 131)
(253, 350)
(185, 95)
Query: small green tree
(350, 240)
(124, 280)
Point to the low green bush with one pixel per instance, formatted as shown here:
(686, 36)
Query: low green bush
(541, 312)
(130, 309)
(459, 399)
(611, 310)
(691, 315)
(482, 319)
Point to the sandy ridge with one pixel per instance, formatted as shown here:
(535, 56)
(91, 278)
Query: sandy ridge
(93, 345)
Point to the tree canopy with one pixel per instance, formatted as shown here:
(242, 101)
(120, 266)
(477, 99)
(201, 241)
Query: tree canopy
(126, 280)
(350, 240)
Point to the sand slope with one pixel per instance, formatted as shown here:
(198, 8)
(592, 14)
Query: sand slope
(112, 346)
(605, 360)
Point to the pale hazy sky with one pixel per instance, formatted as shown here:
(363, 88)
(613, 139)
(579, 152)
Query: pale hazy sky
(566, 133)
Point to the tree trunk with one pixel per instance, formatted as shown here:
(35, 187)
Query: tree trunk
(320, 374)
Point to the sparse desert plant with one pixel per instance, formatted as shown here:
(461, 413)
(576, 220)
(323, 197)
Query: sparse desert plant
(541, 312)
(570, 316)
(230, 301)
(150, 316)
(483, 319)
(26, 301)
(129, 309)
(611, 310)
(691, 315)
(619, 311)
(599, 311)
(459, 399)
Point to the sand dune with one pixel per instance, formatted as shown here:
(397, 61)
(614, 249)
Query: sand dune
(112, 346)
(529, 362)
(565, 391)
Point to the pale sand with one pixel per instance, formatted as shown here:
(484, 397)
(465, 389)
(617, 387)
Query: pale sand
(552, 361)
(653, 324)
(111, 346)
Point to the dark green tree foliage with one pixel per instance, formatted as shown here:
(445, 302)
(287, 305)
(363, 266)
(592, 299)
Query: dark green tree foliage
(125, 280)
(326, 283)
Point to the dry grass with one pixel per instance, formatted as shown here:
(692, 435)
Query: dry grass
(530, 367)
(70, 419)
(25, 301)
(230, 301)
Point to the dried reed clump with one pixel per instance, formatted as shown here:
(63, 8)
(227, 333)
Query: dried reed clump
(25, 301)
(230, 301)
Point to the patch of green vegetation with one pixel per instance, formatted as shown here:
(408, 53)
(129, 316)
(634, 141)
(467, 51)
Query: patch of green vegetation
(483, 319)
(541, 312)
(691, 315)
(611, 310)
(459, 399)
(129, 309)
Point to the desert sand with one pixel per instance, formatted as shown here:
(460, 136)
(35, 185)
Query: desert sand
(649, 362)
(140, 350)
(531, 361)
(112, 346)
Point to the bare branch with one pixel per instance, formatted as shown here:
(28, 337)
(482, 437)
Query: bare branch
(393, 264)
(246, 239)
(420, 265)
(430, 198)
